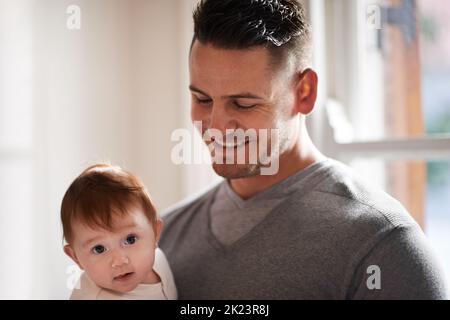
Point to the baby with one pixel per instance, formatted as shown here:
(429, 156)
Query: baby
(112, 232)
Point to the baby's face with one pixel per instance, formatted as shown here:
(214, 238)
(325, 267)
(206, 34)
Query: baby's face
(121, 259)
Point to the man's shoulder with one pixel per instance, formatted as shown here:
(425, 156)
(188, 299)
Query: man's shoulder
(345, 196)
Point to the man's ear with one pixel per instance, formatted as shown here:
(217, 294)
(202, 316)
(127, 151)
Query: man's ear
(158, 230)
(306, 91)
(71, 253)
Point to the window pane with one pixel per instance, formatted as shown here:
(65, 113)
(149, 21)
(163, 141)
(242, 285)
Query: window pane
(424, 189)
(437, 211)
(435, 53)
(396, 81)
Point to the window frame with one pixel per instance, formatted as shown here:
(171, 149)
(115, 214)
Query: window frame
(324, 129)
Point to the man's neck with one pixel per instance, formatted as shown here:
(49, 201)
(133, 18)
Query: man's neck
(293, 161)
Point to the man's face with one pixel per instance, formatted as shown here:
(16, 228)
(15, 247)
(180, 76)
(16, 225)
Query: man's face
(240, 89)
(118, 260)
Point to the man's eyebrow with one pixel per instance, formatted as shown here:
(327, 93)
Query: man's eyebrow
(244, 95)
(194, 89)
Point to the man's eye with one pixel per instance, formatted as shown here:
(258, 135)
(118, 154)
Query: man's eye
(241, 106)
(131, 239)
(98, 249)
(203, 101)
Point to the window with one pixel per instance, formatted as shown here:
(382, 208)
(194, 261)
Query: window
(386, 76)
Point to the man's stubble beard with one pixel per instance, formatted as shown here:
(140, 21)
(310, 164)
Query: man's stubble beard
(236, 171)
(239, 171)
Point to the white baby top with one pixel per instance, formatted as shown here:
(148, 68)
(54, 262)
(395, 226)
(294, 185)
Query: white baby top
(86, 289)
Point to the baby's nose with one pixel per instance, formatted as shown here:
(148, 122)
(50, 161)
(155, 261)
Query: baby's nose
(119, 260)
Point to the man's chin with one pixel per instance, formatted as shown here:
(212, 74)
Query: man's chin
(236, 171)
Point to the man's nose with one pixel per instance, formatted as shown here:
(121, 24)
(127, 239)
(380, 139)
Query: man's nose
(220, 119)
(119, 259)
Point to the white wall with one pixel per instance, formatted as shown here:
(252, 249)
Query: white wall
(15, 149)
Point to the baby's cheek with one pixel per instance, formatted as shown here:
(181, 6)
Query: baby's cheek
(99, 273)
(145, 258)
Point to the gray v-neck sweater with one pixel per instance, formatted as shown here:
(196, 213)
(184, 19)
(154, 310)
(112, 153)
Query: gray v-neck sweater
(232, 217)
(322, 233)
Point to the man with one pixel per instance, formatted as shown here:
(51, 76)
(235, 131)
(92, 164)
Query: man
(312, 229)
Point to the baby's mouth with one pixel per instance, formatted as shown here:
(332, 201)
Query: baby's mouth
(124, 276)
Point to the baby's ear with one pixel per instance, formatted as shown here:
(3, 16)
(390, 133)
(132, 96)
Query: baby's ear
(158, 229)
(71, 253)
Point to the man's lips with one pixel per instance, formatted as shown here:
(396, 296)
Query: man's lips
(223, 145)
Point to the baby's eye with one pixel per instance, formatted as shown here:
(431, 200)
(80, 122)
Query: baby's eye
(98, 249)
(131, 239)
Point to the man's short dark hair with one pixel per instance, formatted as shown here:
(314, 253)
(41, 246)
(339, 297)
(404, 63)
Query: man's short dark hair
(278, 25)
